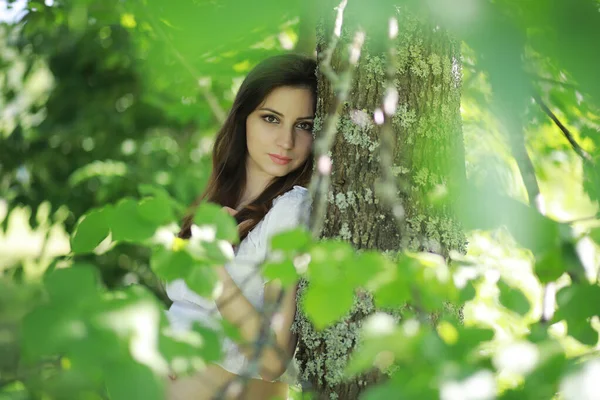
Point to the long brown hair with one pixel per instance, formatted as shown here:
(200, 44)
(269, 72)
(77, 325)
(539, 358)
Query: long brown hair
(228, 177)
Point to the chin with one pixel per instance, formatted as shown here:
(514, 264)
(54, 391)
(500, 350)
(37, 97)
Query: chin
(278, 172)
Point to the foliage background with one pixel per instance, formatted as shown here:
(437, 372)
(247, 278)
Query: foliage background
(102, 101)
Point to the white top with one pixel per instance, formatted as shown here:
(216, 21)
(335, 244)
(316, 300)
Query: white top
(289, 210)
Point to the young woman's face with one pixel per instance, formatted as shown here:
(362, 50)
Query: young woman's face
(279, 132)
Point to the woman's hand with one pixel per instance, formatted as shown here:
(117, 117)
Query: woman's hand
(233, 213)
(230, 211)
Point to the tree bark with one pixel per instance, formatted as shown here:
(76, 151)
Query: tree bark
(428, 152)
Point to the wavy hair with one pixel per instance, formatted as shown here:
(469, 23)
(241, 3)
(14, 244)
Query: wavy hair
(228, 177)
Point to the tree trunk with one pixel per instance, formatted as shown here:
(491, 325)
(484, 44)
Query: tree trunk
(428, 152)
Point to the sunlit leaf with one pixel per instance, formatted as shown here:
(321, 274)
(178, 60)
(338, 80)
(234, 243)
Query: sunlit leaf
(170, 265)
(126, 381)
(513, 299)
(324, 304)
(295, 239)
(284, 271)
(91, 230)
(213, 215)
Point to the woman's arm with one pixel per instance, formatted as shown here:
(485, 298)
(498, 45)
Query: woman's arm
(236, 309)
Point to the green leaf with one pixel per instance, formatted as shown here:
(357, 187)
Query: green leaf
(72, 284)
(295, 239)
(161, 193)
(583, 332)
(90, 231)
(365, 266)
(156, 210)
(202, 279)
(325, 304)
(188, 345)
(217, 252)
(531, 229)
(392, 287)
(595, 235)
(467, 293)
(211, 343)
(213, 215)
(126, 223)
(170, 265)
(513, 299)
(550, 266)
(326, 260)
(133, 381)
(576, 305)
(284, 270)
(53, 321)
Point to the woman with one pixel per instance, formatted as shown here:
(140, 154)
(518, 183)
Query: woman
(262, 162)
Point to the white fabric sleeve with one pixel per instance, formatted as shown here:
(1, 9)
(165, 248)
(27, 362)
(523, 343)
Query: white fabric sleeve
(288, 212)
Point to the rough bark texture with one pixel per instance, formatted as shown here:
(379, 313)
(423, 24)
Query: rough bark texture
(428, 152)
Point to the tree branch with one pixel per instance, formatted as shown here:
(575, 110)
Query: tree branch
(578, 149)
(320, 180)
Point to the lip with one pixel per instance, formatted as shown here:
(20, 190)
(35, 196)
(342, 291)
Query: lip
(279, 160)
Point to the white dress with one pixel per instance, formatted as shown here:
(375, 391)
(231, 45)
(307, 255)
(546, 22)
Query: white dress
(289, 210)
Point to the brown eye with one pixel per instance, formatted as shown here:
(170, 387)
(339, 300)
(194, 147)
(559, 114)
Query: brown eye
(305, 126)
(270, 118)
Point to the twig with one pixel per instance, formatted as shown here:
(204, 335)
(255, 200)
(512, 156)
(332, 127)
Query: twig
(320, 181)
(260, 344)
(206, 93)
(578, 149)
(388, 188)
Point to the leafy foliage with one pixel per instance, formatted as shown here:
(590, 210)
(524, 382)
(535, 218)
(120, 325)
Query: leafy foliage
(107, 114)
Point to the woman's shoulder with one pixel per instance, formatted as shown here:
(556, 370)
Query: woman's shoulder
(297, 194)
(288, 211)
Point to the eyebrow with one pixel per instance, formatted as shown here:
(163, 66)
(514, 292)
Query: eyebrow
(281, 115)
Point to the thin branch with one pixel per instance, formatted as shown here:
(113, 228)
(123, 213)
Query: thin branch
(341, 82)
(578, 149)
(210, 98)
(388, 188)
(475, 69)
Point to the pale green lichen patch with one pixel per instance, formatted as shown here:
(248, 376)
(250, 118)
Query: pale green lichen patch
(360, 135)
(433, 233)
(340, 201)
(403, 117)
(374, 67)
(345, 233)
(368, 196)
(421, 178)
(398, 170)
(436, 65)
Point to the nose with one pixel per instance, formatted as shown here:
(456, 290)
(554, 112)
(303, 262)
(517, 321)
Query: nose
(285, 138)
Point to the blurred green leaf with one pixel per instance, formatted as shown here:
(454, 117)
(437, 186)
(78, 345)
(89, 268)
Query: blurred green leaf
(129, 381)
(578, 303)
(327, 259)
(550, 266)
(170, 265)
(127, 224)
(365, 266)
(91, 230)
(79, 281)
(531, 229)
(213, 215)
(202, 279)
(156, 209)
(284, 271)
(337, 297)
(513, 298)
(295, 239)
